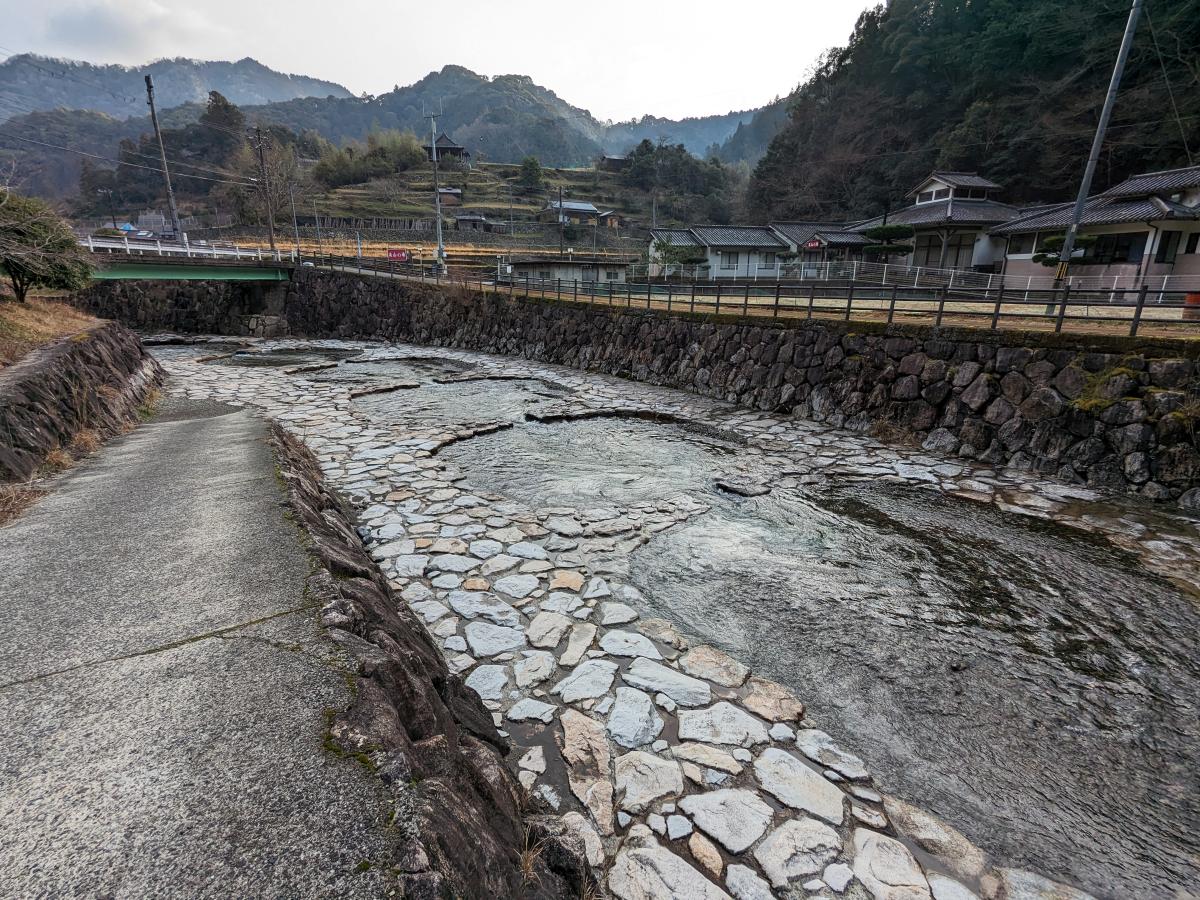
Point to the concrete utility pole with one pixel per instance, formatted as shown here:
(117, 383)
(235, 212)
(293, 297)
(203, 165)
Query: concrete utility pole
(162, 152)
(295, 221)
(266, 187)
(1068, 247)
(439, 264)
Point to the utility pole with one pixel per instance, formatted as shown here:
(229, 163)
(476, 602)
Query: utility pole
(562, 227)
(295, 223)
(162, 152)
(112, 209)
(266, 187)
(1068, 247)
(317, 221)
(437, 193)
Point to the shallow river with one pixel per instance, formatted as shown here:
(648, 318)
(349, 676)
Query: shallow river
(1031, 683)
(1027, 681)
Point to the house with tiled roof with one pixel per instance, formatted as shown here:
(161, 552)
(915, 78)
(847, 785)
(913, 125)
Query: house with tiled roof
(447, 148)
(819, 242)
(1147, 225)
(952, 215)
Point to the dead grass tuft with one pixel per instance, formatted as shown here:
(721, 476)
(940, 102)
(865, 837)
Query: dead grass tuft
(85, 441)
(15, 499)
(529, 860)
(24, 326)
(57, 460)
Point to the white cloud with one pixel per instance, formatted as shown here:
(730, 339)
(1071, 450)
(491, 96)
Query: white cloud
(111, 30)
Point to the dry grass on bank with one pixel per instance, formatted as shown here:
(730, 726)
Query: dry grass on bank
(15, 499)
(25, 326)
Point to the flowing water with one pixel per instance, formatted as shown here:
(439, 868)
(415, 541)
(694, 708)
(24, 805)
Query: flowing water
(1029, 682)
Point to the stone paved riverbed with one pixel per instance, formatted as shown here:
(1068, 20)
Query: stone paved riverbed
(687, 774)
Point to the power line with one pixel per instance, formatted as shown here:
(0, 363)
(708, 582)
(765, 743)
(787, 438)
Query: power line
(1167, 81)
(119, 162)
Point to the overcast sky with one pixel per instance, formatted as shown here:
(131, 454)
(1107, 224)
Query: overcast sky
(617, 58)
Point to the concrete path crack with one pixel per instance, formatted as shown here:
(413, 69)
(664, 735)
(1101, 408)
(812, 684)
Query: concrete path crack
(162, 648)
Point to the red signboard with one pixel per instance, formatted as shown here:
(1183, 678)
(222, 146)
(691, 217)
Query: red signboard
(398, 255)
(814, 244)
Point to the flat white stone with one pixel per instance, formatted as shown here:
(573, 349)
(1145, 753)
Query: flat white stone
(534, 760)
(447, 581)
(410, 566)
(796, 849)
(616, 613)
(944, 888)
(657, 823)
(456, 644)
(654, 873)
(794, 783)
(478, 605)
(577, 644)
(459, 664)
(629, 643)
(710, 757)
(838, 875)
(745, 885)
(564, 526)
(820, 748)
(683, 689)
(678, 826)
(452, 562)
(526, 709)
(633, 720)
(587, 681)
(430, 610)
(518, 586)
(498, 564)
(547, 629)
(781, 732)
(735, 818)
(528, 550)
(886, 868)
(487, 639)
(596, 589)
(644, 777)
(561, 602)
(486, 549)
(534, 667)
(416, 592)
(718, 667)
(488, 681)
(721, 723)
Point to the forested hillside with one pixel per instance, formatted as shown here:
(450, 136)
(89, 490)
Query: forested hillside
(29, 83)
(1011, 88)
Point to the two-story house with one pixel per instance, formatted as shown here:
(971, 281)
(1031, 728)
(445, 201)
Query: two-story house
(1145, 226)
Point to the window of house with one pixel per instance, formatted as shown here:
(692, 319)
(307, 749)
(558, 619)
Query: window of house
(924, 196)
(1021, 243)
(958, 252)
(729, 259)
(1193, 242)
(927, 250)
(768, 260)
(1168, 247)
(1125, 247)
(941, 193)
(613, 274)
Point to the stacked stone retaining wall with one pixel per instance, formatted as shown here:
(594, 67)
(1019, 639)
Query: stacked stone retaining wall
(1113, 413)
(93, 380)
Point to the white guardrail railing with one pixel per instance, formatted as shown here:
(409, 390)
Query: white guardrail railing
(137, 246)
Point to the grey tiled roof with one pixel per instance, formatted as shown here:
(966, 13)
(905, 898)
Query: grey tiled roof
(737, 236)
(1166, 182)
(574, 206)
(678, 237)
(842, 238)
(1102, 210)
(444, 142)
(954, 211)
(958, 179)
(832, 233)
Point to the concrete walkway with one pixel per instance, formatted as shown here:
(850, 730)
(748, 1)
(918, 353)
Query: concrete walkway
(163, 684)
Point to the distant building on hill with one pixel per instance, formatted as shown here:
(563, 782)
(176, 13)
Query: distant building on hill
(572, 212)
(447, 148)
(450, 196)
(573, 267)
(612, 163)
